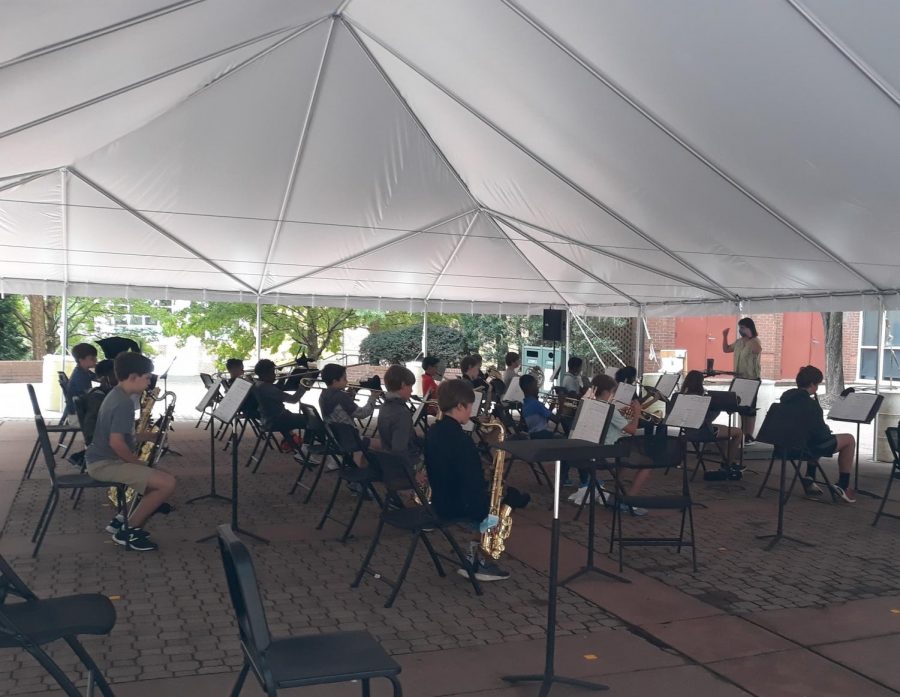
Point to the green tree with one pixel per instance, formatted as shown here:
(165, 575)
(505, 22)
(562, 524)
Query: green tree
(229, 329)
(404, 344)
(12, 347)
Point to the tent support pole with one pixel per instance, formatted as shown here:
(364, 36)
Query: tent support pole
(64, 222)
(425, 330)
(879, 367)
(568, 333)
(639, 343)
(258, 327)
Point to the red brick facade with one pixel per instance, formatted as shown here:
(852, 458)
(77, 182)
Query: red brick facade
(772, 333)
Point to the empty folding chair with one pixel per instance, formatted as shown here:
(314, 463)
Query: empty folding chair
(61, 428)
(35, 622)
(317, 442)
(312, 659)
(893, 438)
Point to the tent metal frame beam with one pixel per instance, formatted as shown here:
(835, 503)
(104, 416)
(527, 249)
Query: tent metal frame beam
(298, 154)
(158, 228)
(452, 256)
(871, 75)
(612, 255)
(27, 179)
(102, 31)
(370, 250)
(681, 141)
(577, 188)
(172, 71)
(535, 268)
(569, 262)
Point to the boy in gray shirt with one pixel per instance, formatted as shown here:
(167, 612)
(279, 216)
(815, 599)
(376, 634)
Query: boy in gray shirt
(111, 457)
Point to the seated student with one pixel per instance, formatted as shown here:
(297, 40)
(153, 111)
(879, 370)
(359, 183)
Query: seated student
(337, 405)
(87, 406)
(395, 426)
(81, 379)
(458, 488)
(480, 379)
(693, 384)
(801, 402)
(270, 401)
(468, 368)
(604, 387)
(429, 371)
(571, 383)
(513, 363)
(235, 368)
(537, 417)
(111, 456)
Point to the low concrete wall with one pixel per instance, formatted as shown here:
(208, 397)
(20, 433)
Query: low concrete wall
(21, 371)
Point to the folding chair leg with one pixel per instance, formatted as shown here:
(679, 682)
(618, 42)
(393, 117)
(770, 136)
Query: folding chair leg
(46, 521)
(94, 672)
(887, 493)
(54, 670)
(434, 557)
(398, 690)
(617, 513)
(32, 460)
(403, 571)
(242, 676)
(78, 494)
(37, 528)
(765, 480)
(327, 512)
(315, 482)
(681, 531)
(612, 532)
(369, 554)
(361, 499)
(366, 692)
(463, 561)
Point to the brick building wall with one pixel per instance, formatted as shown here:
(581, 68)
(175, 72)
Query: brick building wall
(21, 371)
(771, 333)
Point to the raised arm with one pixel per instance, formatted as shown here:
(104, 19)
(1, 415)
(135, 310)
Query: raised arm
(726, 347)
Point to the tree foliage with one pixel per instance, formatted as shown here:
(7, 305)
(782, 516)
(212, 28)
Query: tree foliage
(229, 329)
(12, 347)
(404, 344)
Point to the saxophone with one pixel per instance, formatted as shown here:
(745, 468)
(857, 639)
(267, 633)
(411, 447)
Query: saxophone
(493, 541)
(148, 401)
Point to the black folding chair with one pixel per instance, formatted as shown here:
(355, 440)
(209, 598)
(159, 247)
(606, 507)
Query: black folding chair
(64, 482)
(35, 622)
(893, 438)
(265, 441)
(316, 441)
(418, 521)
(680, 501)
(698, 440)
(61, 428)
(63, 380)
(314, 659)
(359, 479)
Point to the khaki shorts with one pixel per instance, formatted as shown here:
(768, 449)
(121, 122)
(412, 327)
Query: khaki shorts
(135, 476)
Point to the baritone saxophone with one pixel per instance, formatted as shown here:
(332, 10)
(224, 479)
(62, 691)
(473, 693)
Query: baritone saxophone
(493, 542)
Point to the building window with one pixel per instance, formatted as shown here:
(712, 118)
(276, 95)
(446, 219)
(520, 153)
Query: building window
(868, 346)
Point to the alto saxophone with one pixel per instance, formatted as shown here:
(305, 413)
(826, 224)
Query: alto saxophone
(148, 400)
(493, 541)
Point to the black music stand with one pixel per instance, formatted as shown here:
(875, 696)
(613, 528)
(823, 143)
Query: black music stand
(786, 434)
(537, 451)
(590, 424)
(746, 390)
(857, 408)
(226, 411)
(207, 403)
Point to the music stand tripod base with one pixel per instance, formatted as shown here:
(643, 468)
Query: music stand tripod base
(213, 494)
(547, 682)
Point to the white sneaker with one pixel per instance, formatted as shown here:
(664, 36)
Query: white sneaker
(577, 496)
(847, 494)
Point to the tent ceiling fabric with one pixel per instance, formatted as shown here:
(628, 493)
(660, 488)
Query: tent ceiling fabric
(483, 156)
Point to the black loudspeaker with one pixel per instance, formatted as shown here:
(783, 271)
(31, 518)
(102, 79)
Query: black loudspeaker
(554, 325)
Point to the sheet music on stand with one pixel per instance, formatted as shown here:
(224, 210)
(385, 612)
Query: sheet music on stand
(228, 408)
(857, 407)
(209, 396)
(476, 405)
(689, 411)
(591, 420)
(667, 383)
(624, 394)
(745, 389)
(417, 414)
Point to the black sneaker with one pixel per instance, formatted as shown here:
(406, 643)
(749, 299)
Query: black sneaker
(138, 540)
(487, 572)
(810, 488)
(113, 526)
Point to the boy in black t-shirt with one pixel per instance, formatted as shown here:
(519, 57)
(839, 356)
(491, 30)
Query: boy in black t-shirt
(271, 400)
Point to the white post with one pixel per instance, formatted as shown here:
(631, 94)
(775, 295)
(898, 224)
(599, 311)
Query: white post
(639, 344)
(64, 221)
(568, 333)
(258, 327)
(425, 331)
(63, 328)
(879, 359)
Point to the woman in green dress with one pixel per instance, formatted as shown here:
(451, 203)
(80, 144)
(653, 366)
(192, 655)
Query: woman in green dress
(747, 349)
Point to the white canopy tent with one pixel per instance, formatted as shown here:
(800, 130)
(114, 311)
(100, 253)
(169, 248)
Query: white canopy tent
(616, 157)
